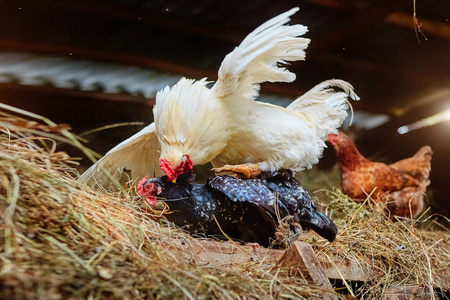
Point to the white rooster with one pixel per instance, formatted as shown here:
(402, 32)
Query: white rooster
(224, 124)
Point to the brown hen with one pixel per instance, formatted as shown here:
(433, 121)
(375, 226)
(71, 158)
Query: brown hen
(401, 185)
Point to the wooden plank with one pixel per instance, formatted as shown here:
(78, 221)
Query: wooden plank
(408, 292)
(216, 254)
(442, 279)
(346, 269)
(300, 257)
(219, 254)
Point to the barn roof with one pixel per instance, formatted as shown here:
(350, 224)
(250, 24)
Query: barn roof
(371, 44)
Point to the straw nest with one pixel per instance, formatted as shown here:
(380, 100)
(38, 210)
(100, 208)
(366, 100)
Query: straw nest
(61, 240)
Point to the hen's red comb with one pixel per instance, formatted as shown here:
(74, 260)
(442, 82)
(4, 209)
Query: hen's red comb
(333, 138)
(140, 187)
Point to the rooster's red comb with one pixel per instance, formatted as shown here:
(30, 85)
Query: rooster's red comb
(140, 189)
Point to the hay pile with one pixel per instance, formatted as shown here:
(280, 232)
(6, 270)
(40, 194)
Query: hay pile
(60, 240)
(397, 251)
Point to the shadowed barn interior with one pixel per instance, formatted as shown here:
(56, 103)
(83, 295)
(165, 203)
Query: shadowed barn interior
(101, 63)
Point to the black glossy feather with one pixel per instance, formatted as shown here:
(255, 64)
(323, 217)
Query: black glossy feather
(245, 209)
(251, 190)
(299, 204)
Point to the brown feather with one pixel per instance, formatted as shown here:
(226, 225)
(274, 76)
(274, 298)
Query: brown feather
(401, 185)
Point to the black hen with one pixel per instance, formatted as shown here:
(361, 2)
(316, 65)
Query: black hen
(245, 209)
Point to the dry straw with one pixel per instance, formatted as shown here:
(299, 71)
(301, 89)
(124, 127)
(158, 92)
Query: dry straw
(61, 240)
(397, 252)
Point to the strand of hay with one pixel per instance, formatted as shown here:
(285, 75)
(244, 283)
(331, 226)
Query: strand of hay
(398, 251)
(61, 240)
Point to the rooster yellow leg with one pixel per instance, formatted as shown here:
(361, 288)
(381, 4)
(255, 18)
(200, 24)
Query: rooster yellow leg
(241, 171)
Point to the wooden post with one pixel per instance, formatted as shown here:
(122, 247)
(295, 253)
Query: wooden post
(300, 257)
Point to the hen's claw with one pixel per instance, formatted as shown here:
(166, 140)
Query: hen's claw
(243, 171)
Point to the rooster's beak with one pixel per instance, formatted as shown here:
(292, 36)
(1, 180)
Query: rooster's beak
(174, 181)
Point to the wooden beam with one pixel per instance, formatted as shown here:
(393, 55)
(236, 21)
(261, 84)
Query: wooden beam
(130, 59)
(101, 55)
(8, 87)
(82, 110)
(398, 18)
(342, 5)
(427, 26)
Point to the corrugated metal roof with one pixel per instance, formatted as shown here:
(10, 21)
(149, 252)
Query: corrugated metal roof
(86, 75)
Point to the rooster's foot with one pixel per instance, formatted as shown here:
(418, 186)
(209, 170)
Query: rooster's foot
(243, 171)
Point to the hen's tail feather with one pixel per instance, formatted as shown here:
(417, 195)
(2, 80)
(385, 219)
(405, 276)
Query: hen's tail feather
(325, 107)
(418, 166)
(320, 223)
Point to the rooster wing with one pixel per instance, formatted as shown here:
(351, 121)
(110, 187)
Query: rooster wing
(139, 154)
(272, 136)
(256, 59)
(324, 107)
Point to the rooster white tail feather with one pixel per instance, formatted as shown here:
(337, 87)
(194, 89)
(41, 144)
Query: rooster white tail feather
(325, 107)
(333, 83)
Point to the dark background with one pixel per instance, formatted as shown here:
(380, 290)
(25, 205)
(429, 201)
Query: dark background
(372, 44)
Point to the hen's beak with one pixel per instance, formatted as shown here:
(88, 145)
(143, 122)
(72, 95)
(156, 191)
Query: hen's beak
(174, 181)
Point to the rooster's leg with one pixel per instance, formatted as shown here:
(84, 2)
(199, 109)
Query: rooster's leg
(241, 171)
